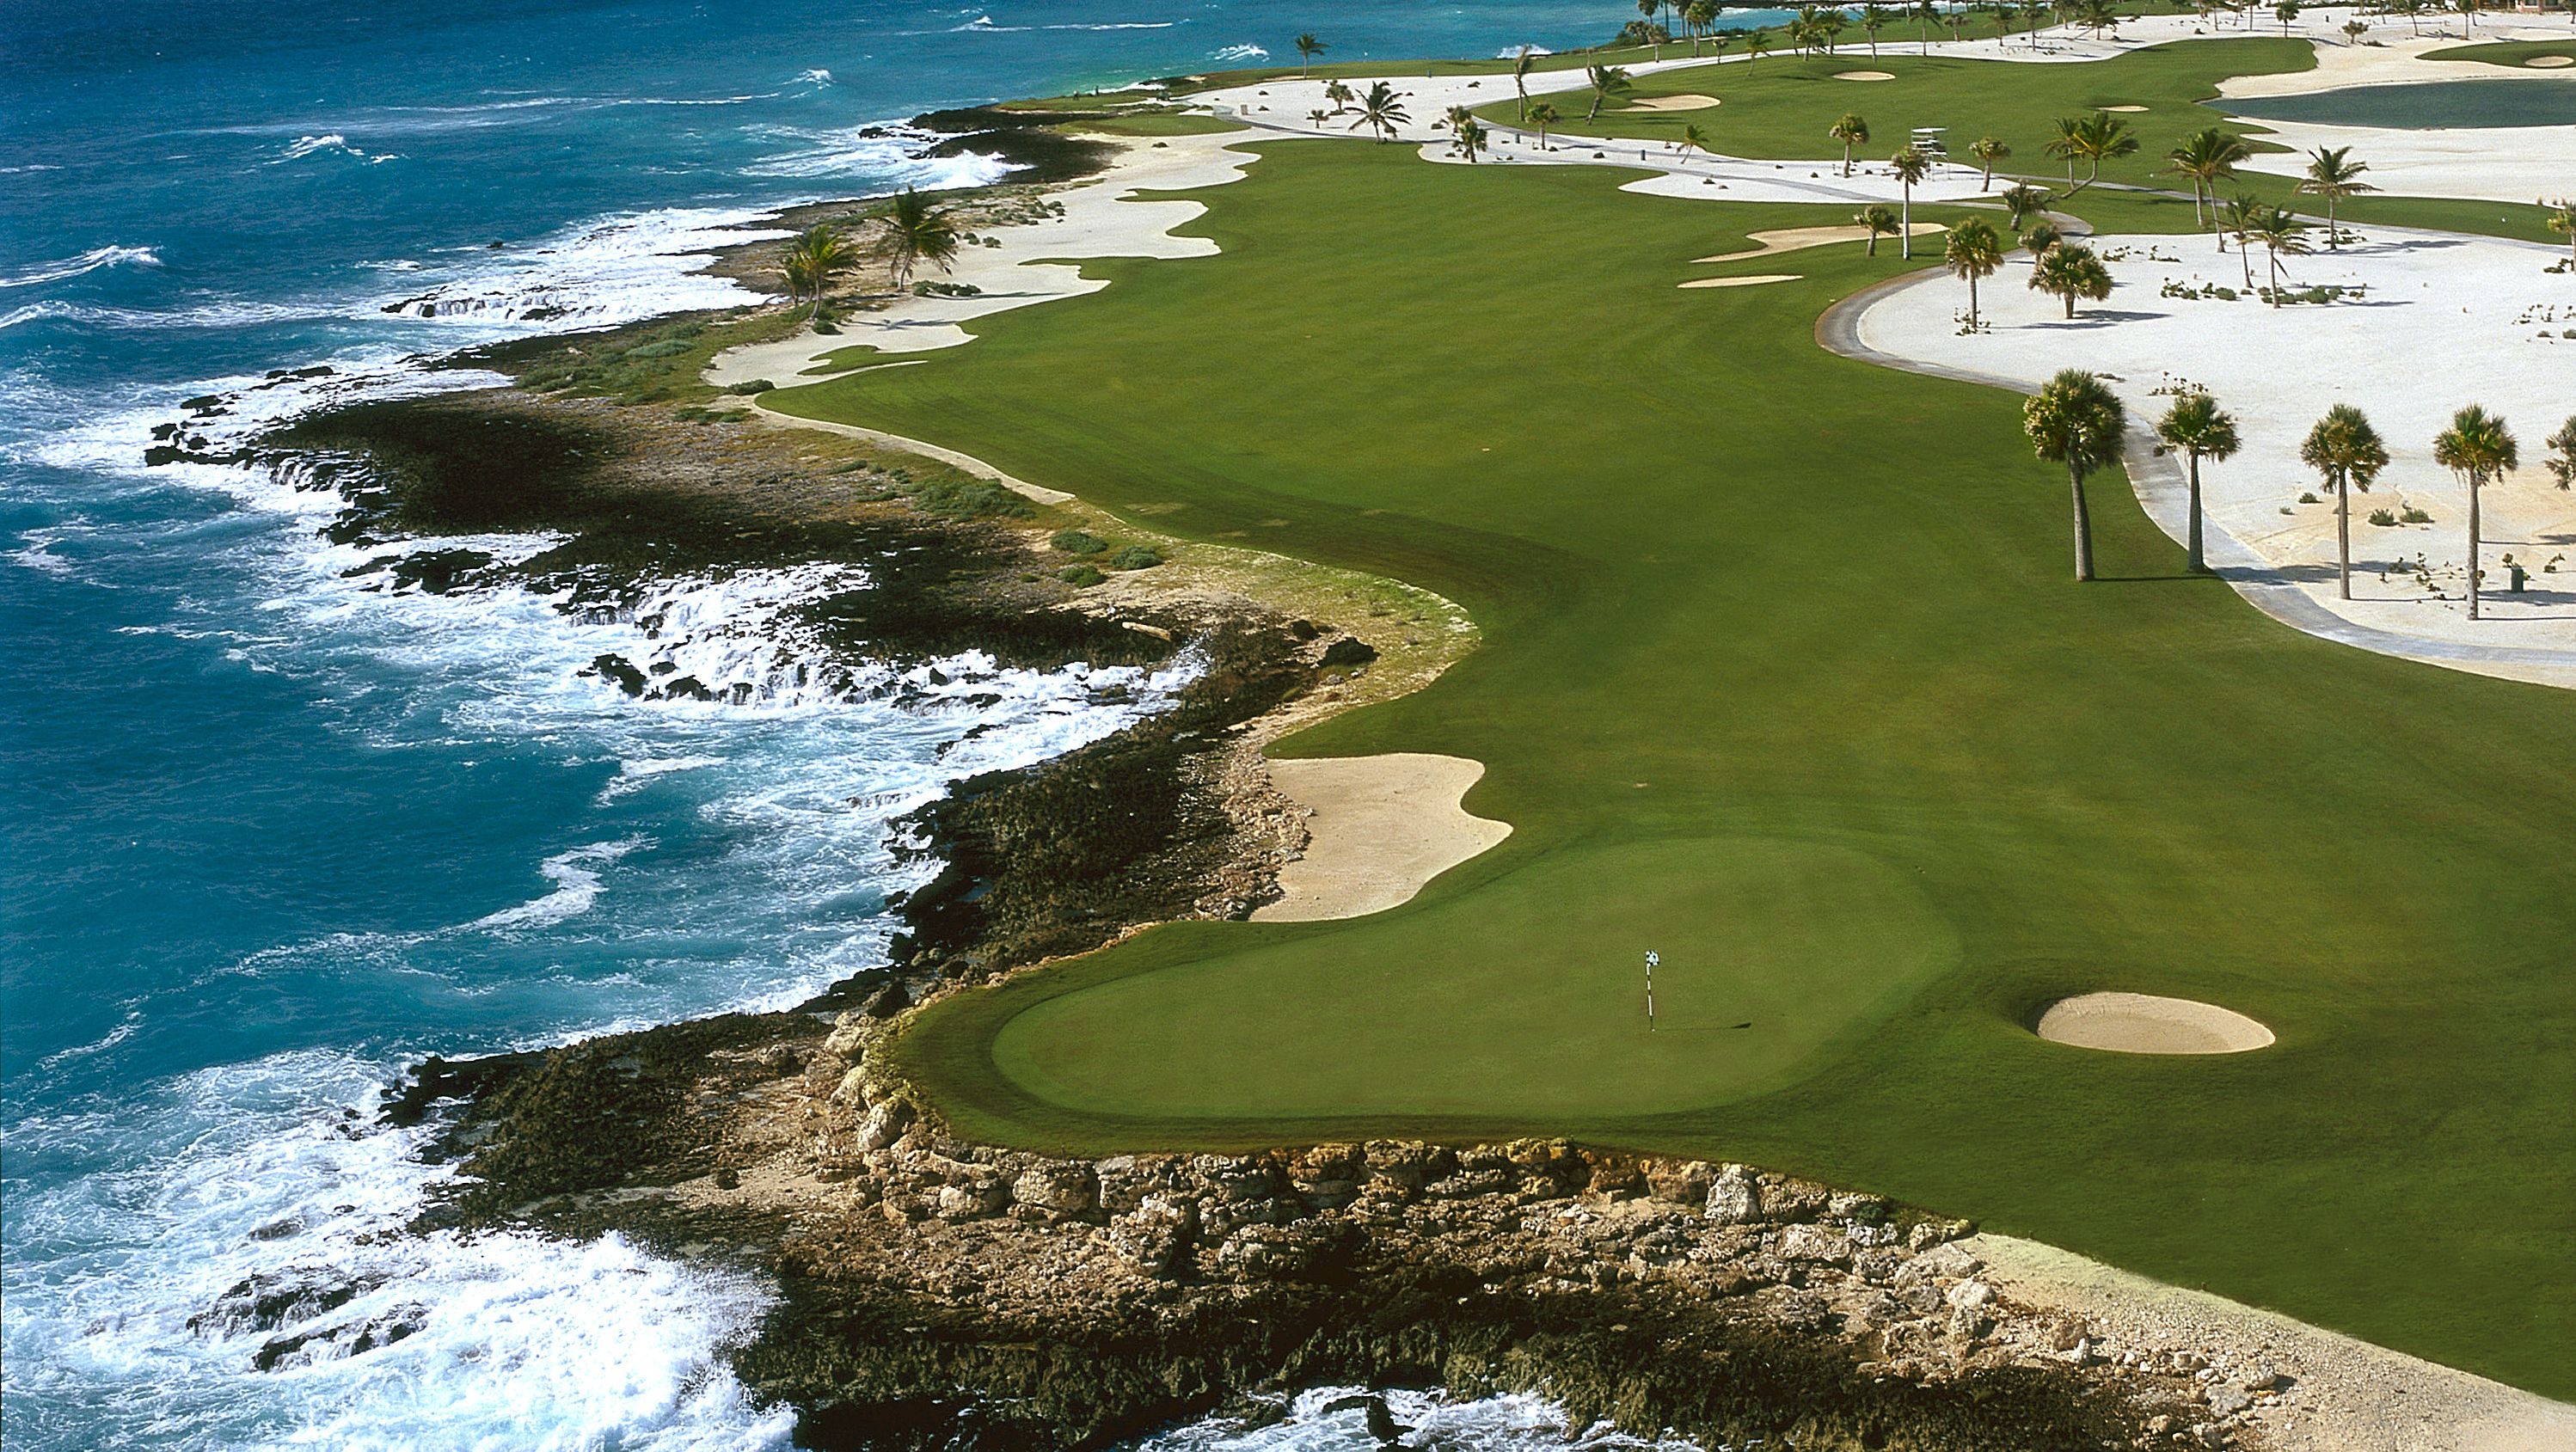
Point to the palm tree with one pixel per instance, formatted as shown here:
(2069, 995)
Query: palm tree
(2202, 430)
(2562, 464)
(1381, 111)
(1470, 138)
(1973, 251)
(2280, 232)
(1878, 222)
(2067, 271)
(1647, 8)
(1871, 22)
(1606, 82)
(1910, 165)
(2562, 218)
(1308, 47)
(1340, 95)
(1543, 115)
(2043, 234)
(2204, 157)
(2076, 421)
(2021, 203)
(2347, 451)
(2288, 10)
(2063, 145)
(2096, 139)
(917, 233)
(2480, 449)
(1926, 15)
(1851, 131)
(1988, 150)
(1319, 116)
(2333, 174)
(1701, 17)
(2238, 219)
(1521, 64)
(818, 254)
(1694, 139)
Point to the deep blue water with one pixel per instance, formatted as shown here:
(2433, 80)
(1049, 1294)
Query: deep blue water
(269, 835)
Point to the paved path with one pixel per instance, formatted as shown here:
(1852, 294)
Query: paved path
(2164, 491)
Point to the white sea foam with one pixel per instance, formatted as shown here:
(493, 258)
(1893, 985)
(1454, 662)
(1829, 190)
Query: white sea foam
(815, 77)
(1513, 1423)
(90, 261)
(272, 1174)
(576, 887)
(1232, 53)
(617, 269)
(886, 155)
(986, 23)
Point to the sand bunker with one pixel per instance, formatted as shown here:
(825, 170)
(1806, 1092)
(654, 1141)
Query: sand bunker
(1754, 281)
(2132, 110)
(1381, 827)
(1790, 239)
(1673, 103)
(1864, 75)
(2550, 62)
(2141, 1023)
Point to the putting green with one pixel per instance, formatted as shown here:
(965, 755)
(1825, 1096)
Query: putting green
(1784, 676)
(1529, 992)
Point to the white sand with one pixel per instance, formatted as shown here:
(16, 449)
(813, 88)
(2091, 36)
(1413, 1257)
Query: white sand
(1674, 103)
(1033, 264)
(2447, 321)
(2142, 1023)
(2130, 110)
(1864, 75)
(2550, 62)
(1754, 281)
(1382, 826)
(2330, 1392)
(1793, 239)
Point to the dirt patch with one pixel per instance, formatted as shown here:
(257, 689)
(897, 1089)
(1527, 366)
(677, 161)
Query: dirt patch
(1379, 828)
(2141, 1023)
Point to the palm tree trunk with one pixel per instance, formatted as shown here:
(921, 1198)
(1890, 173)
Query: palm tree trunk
(2473, 546)
(2333, 243)
(2083, 526)
(1972, 300)
(2343, 533)
(1905, 238)
(2199, 564)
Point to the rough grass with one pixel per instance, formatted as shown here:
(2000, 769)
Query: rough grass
(2514, 53)
(1785, 678)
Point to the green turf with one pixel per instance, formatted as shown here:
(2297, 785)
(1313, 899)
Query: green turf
(1785, 677)
(2513, 53)
(1157, 123)
(1779, 107)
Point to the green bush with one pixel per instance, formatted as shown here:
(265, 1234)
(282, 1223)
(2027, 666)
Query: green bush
(667, 348)
(969, 499)
(1134, 557)
(1075, 542)
(752, 386)
(1081, 577)
(2307, 496)
(2383, 517)
(2414, 515)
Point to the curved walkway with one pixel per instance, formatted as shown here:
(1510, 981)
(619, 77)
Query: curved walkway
(2163, 492)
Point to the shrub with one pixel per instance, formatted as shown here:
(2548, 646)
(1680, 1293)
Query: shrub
(2308, 496)
(2414, 515)
(928, 288)
(969, 499)
(1075, 542)
(1081, 577)
(752, 386)
(1134, 557)
(667, 348)
(2383, 517)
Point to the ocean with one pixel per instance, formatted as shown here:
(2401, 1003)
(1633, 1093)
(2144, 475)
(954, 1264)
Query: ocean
(270, 834)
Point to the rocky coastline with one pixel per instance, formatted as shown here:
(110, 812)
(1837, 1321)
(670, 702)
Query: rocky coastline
(933, 1294)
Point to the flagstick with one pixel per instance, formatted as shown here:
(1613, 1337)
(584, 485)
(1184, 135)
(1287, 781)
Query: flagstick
(1651, 960)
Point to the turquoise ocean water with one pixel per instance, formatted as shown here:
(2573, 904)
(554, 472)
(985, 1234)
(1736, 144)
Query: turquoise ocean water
(269, 835)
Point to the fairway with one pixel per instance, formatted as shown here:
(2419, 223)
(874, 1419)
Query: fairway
(1785, 678)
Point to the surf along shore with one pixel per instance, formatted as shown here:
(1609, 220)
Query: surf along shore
(972, 1206)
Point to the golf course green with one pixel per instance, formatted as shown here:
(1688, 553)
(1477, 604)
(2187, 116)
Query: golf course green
(1785, 678)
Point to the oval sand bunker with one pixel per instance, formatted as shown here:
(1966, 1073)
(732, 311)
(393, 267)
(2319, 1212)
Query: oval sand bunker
(1864, 75)
(2141, 1023)
(2550, 62)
